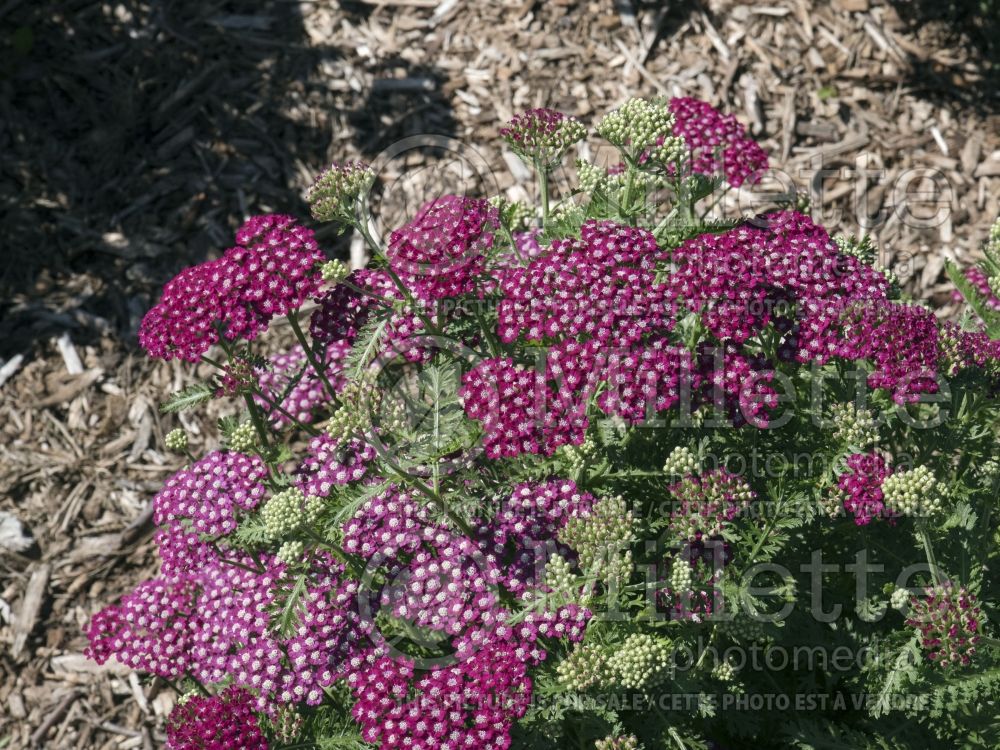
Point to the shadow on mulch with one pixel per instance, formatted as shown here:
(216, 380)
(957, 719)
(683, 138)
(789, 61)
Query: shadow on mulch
(135, 137)
(961, 24)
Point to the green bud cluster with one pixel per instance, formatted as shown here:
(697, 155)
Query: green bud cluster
(912, 493)
(681, 579)
(176, 440)
(853, 426)
(578, 457)
(637, 126)
(543, 136)
(335, 193)
(744, 630)
(599, 536)
(989, 470)
(334, 271)
(590, 176)
(289, 509)
(681, 462)
(243, 438)
(642, 661)
(584, 667)
(724, 672)
(618, 742)
(290, 552)
(361, 399)
(559, 574)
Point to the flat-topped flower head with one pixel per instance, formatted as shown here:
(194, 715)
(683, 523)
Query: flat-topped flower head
(643, 131)
(334, 195)
(271, 271)
(949, 622)
(718, 143)
(441, 252)
(543, 136)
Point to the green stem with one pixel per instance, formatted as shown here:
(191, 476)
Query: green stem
(258, 422)
(293, 319)
(543, 190)
(279, 408)
(925, 538)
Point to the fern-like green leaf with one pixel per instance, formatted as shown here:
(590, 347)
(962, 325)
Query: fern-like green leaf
(189, 398)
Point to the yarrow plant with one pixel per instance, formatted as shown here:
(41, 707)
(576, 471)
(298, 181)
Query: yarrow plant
(588, 476)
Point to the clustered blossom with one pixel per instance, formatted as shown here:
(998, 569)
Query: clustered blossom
(330, 462)
(949, 622)
(912, 493)
(718, 142)
(862, 486)
(960, 350)
(290, 388)
(598, 301)
(441, 251)
(980, 281)
(705, 503)
(272, 270)
(215, 623)
(542, 136)
(210, 493)
(336, 191)
(345, 308)
(219, 722)
(789, 273)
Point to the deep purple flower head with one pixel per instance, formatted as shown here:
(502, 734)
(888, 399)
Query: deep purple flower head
(220, 722)
(211, 491)
(718, 142)
(271, 271)
(440, 253)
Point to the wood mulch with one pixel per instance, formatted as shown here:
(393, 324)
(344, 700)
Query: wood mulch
(135, 136)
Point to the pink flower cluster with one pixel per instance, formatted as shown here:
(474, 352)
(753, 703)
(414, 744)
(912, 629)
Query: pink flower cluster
(949, 622)
(471, 704)
(596, 303)
(331, 462)
(521, 535)
(271, 271)
(344, 309)
(210, 492)
(216, 624)
(441, 252)
(862, 486)
(220, 722)
(718, 142)
(981, 283)
(542, 135)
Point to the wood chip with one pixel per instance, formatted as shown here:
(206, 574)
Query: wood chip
(31, 605)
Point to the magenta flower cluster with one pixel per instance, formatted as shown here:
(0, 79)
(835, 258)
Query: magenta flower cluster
(718, 142)
(211, 492)
(861, 485)
(220, 722)
(441, 252)
(271, 271)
